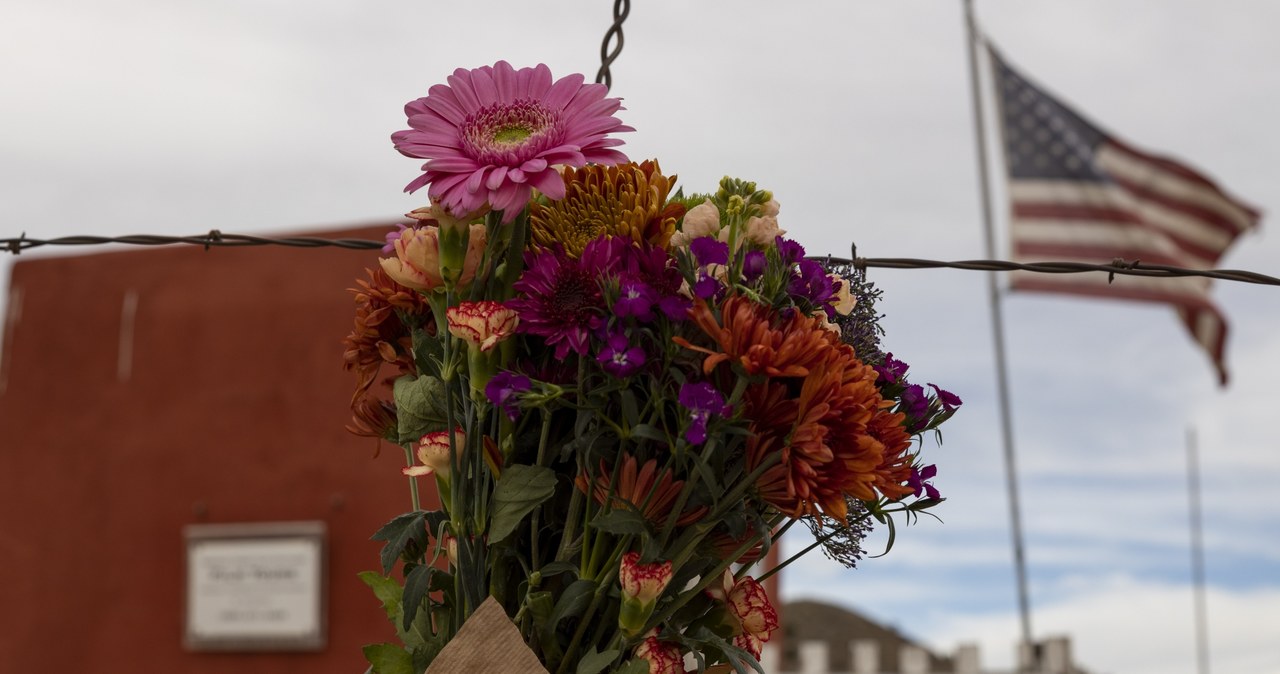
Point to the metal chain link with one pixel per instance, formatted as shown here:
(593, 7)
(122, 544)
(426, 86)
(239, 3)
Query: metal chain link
(621, 8)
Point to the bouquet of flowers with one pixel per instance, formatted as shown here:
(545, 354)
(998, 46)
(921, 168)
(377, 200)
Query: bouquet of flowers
(623, 395)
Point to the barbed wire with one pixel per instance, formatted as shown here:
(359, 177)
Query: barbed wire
(1118, 266)
(621, 8)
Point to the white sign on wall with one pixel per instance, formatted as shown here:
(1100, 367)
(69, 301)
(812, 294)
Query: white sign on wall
(256, 586)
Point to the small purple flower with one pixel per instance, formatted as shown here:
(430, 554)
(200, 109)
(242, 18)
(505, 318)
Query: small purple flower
(919, 481)
(675, 307)
(504, 390)
(392, 237)
(811, 283)
(753, 265)
(949, 400)
(790, 251)
(892, 371)
(706, 287)
(635, 299)
(619, 358)
(916, 406)
(709, 250)
(702, 400)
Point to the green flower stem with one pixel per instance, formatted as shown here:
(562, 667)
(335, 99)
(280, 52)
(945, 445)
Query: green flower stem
(535, 558)
(604, 584)
(693, 535)
(514, 264)
(413, 481)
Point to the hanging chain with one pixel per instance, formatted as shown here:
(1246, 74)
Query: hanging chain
(621, 8)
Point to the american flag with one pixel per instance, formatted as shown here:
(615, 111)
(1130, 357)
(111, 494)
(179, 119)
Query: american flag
(1078, 194)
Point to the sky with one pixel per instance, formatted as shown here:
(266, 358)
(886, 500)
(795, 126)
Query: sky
(273, 116)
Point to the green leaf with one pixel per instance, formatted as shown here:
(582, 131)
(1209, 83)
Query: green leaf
(399, 533)
(594, 662)
(633, 667)
(521, 489)
(573, 601)
(649, 433)
(386, 589)
(420, 407)
(620, 522)
(415, 590)
(388, 659)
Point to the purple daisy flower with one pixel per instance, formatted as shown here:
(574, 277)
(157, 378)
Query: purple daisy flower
(493, 134)
(504, 389)
(559, 300)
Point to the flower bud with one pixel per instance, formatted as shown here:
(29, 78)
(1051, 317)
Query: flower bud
(642, 584)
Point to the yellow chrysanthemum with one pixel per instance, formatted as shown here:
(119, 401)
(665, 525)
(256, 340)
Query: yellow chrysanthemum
(628, 200)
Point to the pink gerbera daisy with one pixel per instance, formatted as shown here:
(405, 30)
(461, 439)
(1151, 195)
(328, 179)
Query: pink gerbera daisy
(493, 134)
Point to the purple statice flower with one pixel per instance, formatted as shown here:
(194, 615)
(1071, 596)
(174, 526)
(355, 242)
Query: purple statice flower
(559, 299)
(919, 481)
(753, 264)
(892, 371)
(702, 400)
(392, 237)
(709, 250)
(810, 282)
(949, 400)
(636, 299)
(619, 358)
(504, 390)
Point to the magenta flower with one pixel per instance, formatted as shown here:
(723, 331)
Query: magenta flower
(493, 134)
(919, 481)
(702, 400)
(619, 358)
(504, 392)
(559, 300)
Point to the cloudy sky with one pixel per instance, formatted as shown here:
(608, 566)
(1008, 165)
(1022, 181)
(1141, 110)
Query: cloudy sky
(141, 116)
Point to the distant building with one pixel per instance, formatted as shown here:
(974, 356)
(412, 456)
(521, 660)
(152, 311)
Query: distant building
(824, 639)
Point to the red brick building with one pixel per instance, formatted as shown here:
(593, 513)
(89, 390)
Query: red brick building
(145, 390)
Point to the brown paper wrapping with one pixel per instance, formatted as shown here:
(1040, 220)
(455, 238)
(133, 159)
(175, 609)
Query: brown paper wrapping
(487, 643)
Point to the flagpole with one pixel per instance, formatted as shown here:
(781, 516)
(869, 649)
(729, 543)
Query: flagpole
(1197, 554)
(997, 331)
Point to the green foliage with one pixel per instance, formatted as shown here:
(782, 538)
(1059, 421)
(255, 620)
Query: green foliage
(389, 659)
(407, 532)
(521, 489)
(420, 407)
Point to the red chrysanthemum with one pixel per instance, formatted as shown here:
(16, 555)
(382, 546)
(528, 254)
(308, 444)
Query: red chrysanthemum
(493, 134)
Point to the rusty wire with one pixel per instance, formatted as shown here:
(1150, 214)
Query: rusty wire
(621, 8)
(1121, 267)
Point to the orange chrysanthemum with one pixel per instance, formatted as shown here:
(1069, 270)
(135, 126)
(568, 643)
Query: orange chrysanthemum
(378, 335)
(819, 411)
(643, 488)
(746, 333)
(628, 200)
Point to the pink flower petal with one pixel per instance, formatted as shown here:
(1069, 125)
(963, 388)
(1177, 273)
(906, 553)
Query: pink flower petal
(495, 179)
(563, 91)
(550, 183)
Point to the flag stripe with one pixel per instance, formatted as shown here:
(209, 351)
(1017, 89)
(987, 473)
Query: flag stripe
(1121, 234)
(1078, 195)
(1191, 235)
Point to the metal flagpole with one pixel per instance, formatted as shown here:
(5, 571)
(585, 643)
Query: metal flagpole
(1197, 554)
(997, 330)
